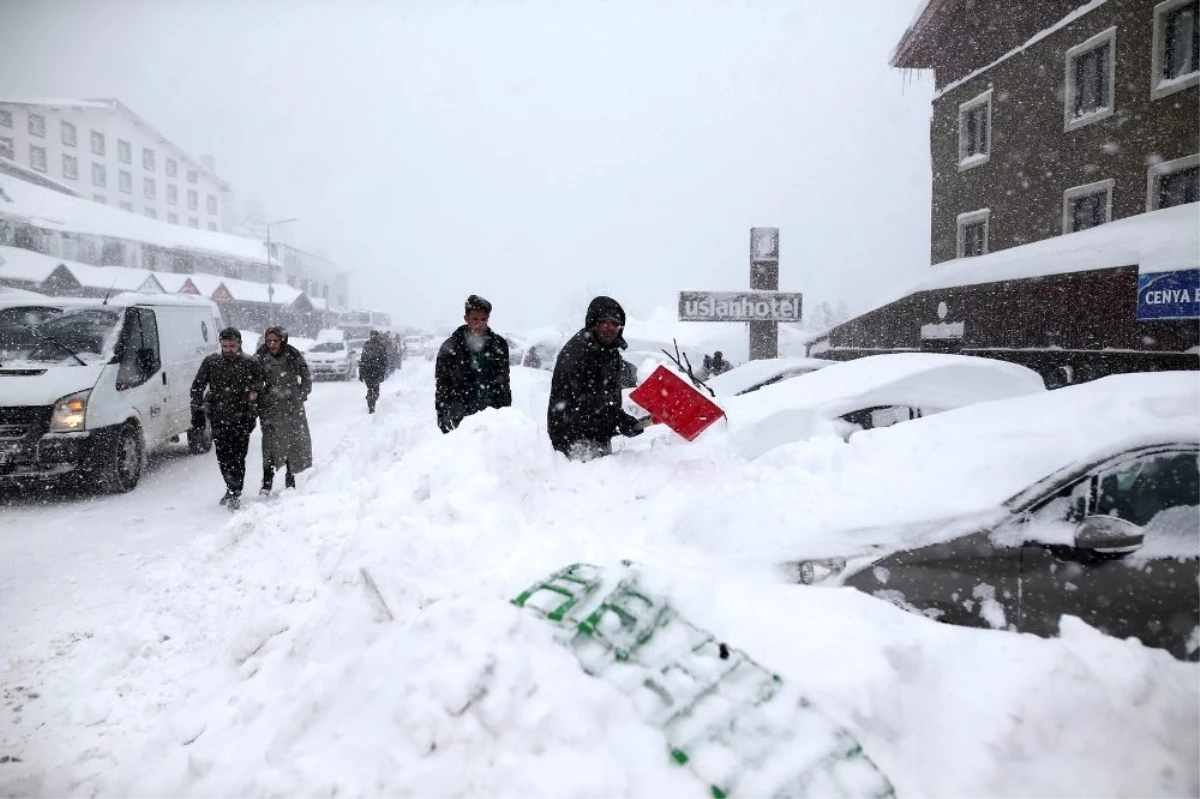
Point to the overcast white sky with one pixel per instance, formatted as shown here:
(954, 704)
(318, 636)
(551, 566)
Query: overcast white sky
(534, 152)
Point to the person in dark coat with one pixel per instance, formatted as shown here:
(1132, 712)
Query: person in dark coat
(472, 368)
(373, 367)
(585, 390)
(228, 384)
(286, 440)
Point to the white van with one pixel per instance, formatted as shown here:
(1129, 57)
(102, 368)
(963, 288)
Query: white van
(86, 392)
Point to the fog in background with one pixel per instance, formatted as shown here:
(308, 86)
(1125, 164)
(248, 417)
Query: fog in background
(536, 153)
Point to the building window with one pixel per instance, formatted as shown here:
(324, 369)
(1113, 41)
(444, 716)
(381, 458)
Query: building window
(193, 200)
(68, 134)
(973, 233)
(124, 152)
(126, 206)
(150, 212)
(193, 222)
(1175, 61)
(172, 194)
(5, 118)
(6, 147)
(37, 158)
(99, 175)
(97, 142)
(212, 204)
(70, 167)
(149, 189)
(975, 131)
(192, 176)
(1173, 183)
(37, 126)
(173, 219)
(125, 181)
(148, 159)
(1087, 206)
(1089, 81)
(172, 167)
(212, 226)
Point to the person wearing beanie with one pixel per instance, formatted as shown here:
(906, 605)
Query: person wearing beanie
(472, 368)
(224, 394)
(585, 391)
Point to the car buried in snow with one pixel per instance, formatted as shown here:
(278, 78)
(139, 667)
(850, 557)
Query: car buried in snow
(877, 391)
(1080, 501)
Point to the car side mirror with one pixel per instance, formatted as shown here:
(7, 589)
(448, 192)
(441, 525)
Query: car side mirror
(1108, 535)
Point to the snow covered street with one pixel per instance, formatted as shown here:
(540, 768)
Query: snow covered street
(356, 637)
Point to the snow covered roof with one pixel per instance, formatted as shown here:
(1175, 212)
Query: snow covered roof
(34, 267)
(55, 211)
(1158, 241)
(56, 103)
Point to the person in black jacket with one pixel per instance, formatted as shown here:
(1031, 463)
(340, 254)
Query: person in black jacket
(373, 367)
(472, 368)
(233, 382)
(585, 390)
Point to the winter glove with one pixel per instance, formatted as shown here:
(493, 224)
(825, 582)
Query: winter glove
(198, 420)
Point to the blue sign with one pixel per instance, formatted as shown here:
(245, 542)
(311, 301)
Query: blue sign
(1169, 295)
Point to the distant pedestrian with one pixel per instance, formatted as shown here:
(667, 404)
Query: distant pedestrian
(719, 365)
(585, 391)
(228, 384)
(372, 367)
(472, 368)
(286, 441)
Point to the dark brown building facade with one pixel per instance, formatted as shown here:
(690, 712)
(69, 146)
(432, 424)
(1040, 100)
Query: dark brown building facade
(1052, 116)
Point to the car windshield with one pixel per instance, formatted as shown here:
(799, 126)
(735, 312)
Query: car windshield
(81, 333)
(329, 346)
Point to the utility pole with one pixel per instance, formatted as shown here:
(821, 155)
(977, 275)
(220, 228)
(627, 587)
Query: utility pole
(271, 273)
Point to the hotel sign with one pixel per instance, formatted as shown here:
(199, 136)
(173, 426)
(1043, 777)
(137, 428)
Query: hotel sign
(739, 306)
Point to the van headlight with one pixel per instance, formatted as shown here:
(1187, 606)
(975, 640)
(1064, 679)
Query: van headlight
(812, 572)
(70, 413)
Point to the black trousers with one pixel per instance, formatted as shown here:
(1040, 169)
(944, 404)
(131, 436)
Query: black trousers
(232, 442)
(289, 479)
(372, 392)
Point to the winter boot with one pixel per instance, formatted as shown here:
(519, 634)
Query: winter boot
(234, 502)
(228, 494)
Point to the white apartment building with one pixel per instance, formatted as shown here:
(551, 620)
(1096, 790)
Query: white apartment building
(104, 152)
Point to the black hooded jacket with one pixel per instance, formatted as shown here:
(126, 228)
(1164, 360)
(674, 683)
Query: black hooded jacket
(467, 381)
(585, 391)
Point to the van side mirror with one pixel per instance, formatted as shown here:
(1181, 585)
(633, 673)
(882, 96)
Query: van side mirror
(1108, 535)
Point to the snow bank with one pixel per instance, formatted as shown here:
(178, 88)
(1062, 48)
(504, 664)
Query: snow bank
(355, 637)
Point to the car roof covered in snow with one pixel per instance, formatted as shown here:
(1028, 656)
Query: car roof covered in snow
(753, 374)
(806, 405)
(931, 476)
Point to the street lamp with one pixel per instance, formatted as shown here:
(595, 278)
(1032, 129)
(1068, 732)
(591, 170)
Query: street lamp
(271, 273)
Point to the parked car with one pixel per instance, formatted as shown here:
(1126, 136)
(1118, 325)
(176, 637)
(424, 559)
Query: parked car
(100, 384)
(331, 359)
(1080, 501)
(877, 391)
(753, 375)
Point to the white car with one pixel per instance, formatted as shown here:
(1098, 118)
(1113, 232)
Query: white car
(753, 375)
(877, 391)
(333, 359)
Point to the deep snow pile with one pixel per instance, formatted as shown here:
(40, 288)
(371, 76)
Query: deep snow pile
(356, 638)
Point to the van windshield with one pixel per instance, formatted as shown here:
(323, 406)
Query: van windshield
(81, 333)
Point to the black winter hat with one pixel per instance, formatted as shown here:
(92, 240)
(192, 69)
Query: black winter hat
(477, 303)
(230, 334)
(603, 308)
